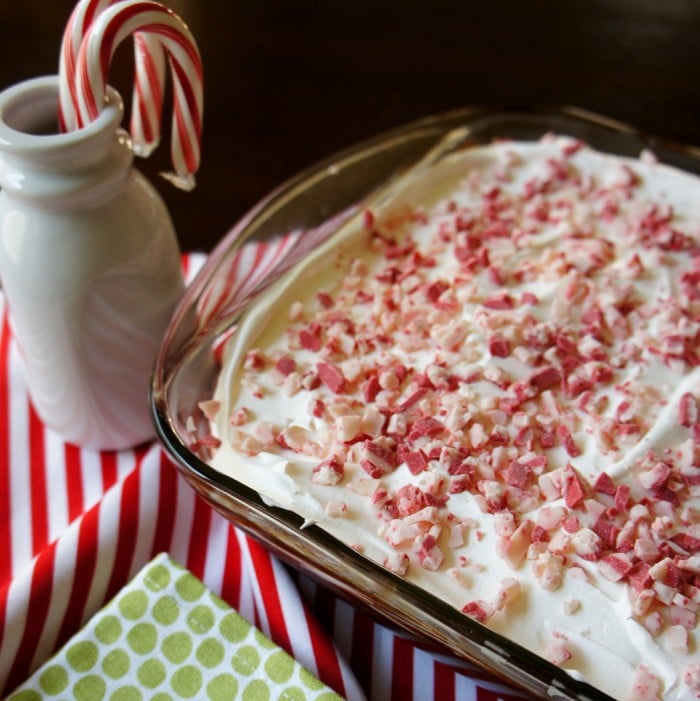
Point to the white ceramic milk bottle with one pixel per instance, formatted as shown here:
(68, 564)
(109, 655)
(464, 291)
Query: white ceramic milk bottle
(89, 265)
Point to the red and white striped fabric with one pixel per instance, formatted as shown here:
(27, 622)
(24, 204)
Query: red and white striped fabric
(76, 525)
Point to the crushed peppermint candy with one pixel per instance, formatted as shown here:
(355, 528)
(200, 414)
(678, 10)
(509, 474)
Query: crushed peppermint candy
(522, 349)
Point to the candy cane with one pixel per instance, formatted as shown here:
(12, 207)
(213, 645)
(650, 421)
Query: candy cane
(147, 101)
(149, 60)
(108, 30)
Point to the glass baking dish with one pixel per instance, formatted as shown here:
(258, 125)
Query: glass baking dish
(302, 213)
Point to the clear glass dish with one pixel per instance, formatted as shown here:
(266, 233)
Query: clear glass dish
(305, 211)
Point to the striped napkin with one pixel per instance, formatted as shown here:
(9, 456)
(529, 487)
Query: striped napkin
(166, 636)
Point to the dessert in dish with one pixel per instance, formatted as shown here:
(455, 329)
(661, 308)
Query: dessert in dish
(489, 384)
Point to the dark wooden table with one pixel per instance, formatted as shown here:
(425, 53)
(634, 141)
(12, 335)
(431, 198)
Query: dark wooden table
(290, 81)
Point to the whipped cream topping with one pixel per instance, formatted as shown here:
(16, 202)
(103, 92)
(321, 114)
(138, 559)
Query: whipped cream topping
(490, 386)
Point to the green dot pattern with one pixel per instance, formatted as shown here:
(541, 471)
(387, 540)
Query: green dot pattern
(166, 637)
(166, 610)
(133, 605)
(151, 673)
(279, 667)
(108, 630)
(177, 646)
(223, 687)
(82, 656)
(116, 663)
(54, 679)
(210, 653)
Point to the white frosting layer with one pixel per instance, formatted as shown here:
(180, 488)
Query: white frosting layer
(521, 320)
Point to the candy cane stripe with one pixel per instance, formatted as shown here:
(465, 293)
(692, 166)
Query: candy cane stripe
(91, 9)
(147, 102)
(154, 21)
(149, 71)
(177, 44)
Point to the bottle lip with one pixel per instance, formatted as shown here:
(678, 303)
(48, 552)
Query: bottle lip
(30, 106)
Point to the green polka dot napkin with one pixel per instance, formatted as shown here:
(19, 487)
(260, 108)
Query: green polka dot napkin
(166, 637)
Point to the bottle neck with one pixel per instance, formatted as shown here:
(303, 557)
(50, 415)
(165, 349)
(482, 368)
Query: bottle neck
(56, 170)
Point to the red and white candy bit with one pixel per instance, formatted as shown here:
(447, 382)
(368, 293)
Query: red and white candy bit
(149, 61)
(645, 686)
(108, 30)
(397, 395)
